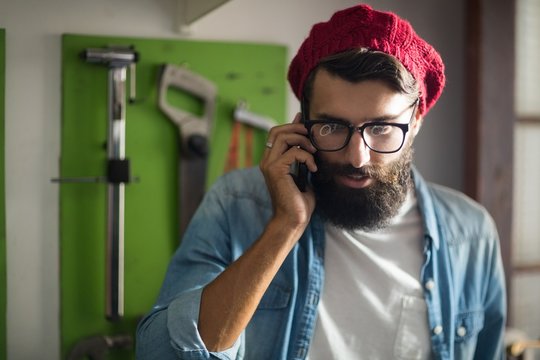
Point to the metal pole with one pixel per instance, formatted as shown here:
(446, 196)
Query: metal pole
(117, 59)
(116, 147)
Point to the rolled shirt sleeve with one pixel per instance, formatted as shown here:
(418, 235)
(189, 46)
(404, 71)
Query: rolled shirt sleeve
(170, 330)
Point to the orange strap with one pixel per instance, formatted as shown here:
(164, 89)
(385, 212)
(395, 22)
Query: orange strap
(248, 153)
(233, 155)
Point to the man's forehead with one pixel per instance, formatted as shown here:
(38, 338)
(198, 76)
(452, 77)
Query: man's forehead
(332, 94)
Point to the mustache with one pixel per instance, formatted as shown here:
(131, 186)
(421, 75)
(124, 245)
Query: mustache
(383, 174)
(350, 170)
(330, 170)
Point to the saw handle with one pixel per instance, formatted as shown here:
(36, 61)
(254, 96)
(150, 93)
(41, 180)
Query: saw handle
(194, 130)
(198, 145)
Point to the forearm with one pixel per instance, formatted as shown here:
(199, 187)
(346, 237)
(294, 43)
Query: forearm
(229, 302)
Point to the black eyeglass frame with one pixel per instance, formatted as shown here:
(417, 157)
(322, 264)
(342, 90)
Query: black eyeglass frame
(352, 128)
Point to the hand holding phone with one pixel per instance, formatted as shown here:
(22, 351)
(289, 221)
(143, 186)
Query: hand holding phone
(299, 172)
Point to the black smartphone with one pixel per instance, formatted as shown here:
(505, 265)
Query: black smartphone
(299, 171)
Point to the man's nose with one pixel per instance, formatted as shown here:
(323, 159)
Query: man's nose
(357, 152)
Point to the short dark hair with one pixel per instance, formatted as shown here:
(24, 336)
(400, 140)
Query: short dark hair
(362, 64)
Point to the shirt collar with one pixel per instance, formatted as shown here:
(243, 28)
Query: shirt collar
(427, 209)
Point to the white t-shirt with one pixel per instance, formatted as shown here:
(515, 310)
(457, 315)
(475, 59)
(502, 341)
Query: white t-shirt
(372, 306)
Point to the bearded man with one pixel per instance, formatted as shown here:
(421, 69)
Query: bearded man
(370, 261)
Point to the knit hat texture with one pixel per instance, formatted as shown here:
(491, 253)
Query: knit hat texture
(362, 27)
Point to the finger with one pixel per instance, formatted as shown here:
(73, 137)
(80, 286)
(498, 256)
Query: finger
(286, 141)
(281, 164)
(303, 157)
(297, 118)
(285, 136)
(287, 128)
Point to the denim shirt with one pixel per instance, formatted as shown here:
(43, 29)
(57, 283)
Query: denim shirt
(462, 275)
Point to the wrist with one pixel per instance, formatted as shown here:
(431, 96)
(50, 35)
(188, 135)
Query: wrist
(287, 228)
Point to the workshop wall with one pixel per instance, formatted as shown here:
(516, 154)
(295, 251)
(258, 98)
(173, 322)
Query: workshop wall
(249, 73)
(33, 108)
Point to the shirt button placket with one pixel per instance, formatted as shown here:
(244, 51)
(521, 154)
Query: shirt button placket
(302, 352)
(313, 299)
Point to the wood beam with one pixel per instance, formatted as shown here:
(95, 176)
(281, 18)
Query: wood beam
(490, 116)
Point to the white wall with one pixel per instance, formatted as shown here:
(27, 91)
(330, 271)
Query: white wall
(33, 78)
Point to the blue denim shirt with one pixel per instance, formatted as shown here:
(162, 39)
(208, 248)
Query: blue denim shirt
(462, 273)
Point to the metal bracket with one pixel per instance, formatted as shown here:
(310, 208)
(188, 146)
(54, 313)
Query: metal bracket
(243, 115)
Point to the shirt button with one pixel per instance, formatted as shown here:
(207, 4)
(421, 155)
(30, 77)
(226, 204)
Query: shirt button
(461, 331)
(437, 329)
(430, 284)
(313, 299)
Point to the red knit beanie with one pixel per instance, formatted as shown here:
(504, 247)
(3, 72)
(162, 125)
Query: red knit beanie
(362, 27)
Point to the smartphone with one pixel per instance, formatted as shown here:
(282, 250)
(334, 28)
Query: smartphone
(299, 171)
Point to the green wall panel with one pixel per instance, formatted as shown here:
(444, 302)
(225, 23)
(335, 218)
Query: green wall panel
(3, 270)
(251, 72)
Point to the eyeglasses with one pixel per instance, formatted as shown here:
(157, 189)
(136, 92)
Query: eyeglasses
(379, 136)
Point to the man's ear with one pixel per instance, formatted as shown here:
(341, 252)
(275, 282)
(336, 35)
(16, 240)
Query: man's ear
(417, 123)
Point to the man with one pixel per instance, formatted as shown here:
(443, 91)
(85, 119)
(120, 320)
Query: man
(410, 270)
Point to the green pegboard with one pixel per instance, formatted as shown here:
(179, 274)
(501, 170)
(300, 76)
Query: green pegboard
(254, 73)
(3, 285)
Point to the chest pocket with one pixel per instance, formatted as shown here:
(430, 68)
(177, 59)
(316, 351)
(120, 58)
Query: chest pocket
(412, 338)
(468, 325)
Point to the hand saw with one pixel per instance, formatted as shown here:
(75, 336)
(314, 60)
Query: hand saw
(194, 134)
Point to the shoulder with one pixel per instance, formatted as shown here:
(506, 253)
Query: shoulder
(454, 202)
(241, 184)
(460, 215)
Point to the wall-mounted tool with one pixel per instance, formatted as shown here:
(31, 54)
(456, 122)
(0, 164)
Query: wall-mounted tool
(194, 133)
(243, 115)
(117, 60)
(244, 124)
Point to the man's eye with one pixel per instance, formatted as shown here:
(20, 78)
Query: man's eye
(379, 130)
(329, 129)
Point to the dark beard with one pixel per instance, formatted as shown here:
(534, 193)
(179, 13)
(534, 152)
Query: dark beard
(369, 208)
